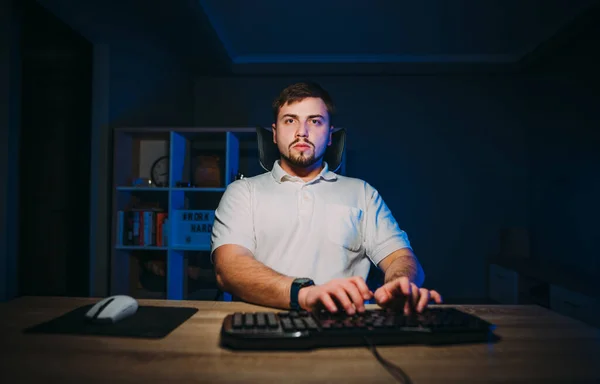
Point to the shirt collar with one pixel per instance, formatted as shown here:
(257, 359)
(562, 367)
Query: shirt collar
(280, 175)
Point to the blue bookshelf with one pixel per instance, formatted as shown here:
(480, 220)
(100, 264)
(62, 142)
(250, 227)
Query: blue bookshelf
(135, 149)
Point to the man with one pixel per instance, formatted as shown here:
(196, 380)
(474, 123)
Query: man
(301, 236)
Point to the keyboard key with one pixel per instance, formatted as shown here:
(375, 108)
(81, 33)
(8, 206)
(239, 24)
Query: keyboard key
(299, 324)
(287, 325)
(237, 320)
(248, 320)
(261, 322)
(311, 323)
(271, 320)
(390, 322)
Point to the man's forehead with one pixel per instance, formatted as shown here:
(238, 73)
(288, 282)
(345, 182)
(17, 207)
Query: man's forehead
(307, 107)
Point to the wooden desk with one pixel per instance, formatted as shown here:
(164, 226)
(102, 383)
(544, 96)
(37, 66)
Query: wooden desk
(538, 346)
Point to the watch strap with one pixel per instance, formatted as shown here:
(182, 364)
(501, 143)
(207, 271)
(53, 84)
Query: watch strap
(298, 284)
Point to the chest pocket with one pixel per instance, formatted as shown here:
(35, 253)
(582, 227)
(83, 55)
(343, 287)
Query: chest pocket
(344, 226)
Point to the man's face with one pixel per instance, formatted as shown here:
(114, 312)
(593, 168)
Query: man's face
(302, 132)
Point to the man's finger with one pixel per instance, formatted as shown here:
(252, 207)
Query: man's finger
(362, 287)
(342, 297)
(381, 296)
(327, 302)
(416, 293)
(355, 296)
(410, 305)
(423, 300)
(397, 291)
(436, 297)
(398, 287)
(404, 285)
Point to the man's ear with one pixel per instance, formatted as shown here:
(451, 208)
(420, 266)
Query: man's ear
(330, 135)
(274, 133)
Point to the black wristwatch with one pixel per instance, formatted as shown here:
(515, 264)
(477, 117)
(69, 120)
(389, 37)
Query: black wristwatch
(296, 285)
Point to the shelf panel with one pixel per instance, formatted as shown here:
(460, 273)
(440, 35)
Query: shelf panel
(155, 248)
(142, 189)
(191, 248)
(166, 189)
(220, 189)
(141, 247)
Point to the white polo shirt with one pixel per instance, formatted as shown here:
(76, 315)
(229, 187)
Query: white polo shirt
(323, 229)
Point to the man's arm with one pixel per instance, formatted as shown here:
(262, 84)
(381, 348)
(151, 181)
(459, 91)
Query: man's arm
(403, 279)
(389, 247)
(237, 271)
(240, 274)
(403, 263)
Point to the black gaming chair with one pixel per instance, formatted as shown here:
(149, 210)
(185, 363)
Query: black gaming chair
(268, 152)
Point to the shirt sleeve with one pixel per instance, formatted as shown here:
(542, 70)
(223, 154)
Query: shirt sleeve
(382, 233)
(233, 218)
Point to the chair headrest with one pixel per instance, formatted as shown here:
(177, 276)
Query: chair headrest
(269, 153)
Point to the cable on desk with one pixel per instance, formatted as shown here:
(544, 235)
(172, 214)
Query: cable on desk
(393, 369)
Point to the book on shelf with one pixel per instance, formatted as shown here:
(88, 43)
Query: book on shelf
(142, 227)
(192, 228)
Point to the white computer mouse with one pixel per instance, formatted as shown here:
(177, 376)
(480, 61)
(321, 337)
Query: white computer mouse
(112, 309)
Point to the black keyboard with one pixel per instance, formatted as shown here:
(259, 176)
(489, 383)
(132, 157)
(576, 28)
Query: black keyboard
(291, 330)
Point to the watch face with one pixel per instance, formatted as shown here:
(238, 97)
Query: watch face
(303, 281)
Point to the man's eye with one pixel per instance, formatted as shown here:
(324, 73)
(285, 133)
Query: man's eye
(316, 121)
(289, 121)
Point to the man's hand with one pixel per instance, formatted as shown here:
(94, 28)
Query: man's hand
(347, 294)
(402, 293)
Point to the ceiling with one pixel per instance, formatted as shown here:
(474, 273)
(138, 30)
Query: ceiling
(332, 36)
(387, 34)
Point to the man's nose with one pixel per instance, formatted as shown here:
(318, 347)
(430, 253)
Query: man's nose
(302, 130)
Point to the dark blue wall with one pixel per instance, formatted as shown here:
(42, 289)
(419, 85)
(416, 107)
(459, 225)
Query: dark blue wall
(148, 87)
(448, 154)
(10, 17)
(458, 158)
(564, 151)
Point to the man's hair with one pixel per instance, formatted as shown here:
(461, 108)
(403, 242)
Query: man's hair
(300, 91)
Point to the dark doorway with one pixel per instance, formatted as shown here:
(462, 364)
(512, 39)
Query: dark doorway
(54, 156)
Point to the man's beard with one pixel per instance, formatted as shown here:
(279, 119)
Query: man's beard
(302, 161)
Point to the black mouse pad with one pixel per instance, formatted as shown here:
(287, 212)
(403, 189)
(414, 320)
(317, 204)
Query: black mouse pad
(148, 322)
